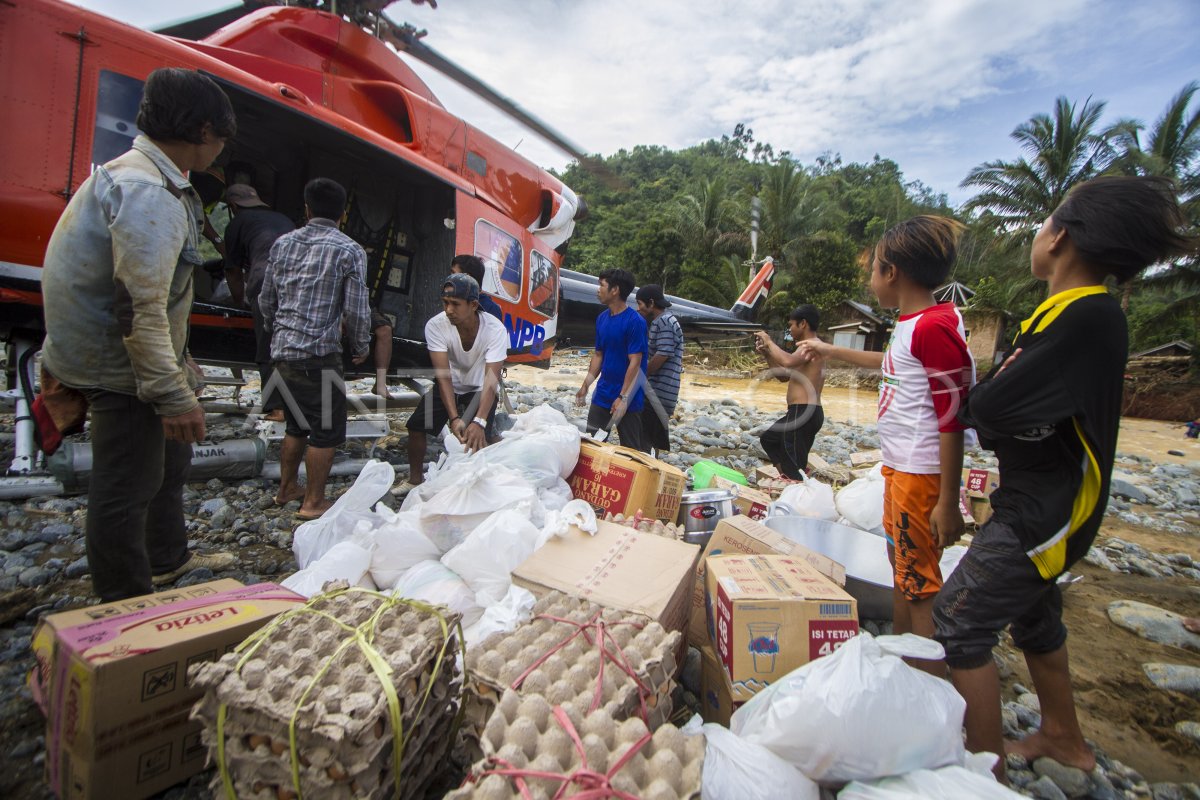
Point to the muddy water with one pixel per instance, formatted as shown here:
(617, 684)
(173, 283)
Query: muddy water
(1141, 437)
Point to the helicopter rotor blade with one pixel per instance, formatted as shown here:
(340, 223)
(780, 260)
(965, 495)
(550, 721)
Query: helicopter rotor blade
(197, 28)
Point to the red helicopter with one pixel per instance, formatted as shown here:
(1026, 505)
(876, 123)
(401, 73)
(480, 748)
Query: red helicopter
(315, 93)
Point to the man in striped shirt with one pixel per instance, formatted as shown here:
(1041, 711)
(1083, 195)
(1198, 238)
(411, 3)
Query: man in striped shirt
(315, 286)
(664, 368)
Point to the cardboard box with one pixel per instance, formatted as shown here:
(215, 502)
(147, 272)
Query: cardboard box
(823, 470)
(117, 695)
(747, 501)
(618, 480)
(45, 638)
(977, 488)
(743, 536)
(773, 614)
(766, 472)
(865, 458)
(718, 698)
(617, 567)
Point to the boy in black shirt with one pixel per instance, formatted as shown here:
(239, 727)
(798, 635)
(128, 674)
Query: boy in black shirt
(1051, 412)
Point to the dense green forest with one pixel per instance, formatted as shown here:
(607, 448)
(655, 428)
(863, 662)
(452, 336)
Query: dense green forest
(683, 218)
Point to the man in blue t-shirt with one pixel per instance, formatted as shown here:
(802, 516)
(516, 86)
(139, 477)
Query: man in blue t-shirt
(619, 361)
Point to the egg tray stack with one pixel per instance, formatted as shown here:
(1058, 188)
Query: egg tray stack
(315, 674)
(654, 527)
(530, 743)
(531, 661)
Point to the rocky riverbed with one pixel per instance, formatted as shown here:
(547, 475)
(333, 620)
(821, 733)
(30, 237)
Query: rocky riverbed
(1137, 677)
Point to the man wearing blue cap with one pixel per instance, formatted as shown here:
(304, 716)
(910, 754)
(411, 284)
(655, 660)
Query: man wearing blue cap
(468, 348)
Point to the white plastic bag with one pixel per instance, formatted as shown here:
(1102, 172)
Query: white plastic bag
(315, 537)
(346, 561)
(435, 583)
(861, 501)
(737, 769)
(860, 713)
(556, 495)
(487, 556)
(578, 513)
(516, 608)
(456, 510)
(399, 545)
(948, 783)
(809, 498)
(542, 447)
(950, 558)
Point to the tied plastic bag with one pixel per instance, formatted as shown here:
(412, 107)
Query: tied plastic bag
(737, 769)
(809, 498)
(435, 583)
(346, 561)
(315, 537)
(578, 513)
(861, 501)
(457, 509)
(542, 447)
(489, 554)
(816, 716)
(399, 545)
(975, 780)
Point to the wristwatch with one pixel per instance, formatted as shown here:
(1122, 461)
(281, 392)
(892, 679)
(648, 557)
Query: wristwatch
(481, 422)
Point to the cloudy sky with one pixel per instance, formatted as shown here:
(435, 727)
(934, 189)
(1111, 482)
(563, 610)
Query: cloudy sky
(936, 85)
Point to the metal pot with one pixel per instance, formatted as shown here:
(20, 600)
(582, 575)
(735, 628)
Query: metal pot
(699, 513)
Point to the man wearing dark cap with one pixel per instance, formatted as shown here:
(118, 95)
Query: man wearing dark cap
(467, 347)
(248, 239)
(664, 368)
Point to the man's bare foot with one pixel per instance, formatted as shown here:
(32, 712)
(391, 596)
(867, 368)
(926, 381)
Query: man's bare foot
(295, 493)
(314, 512)
(382, 391)
(275, 415)
(1070, 754)
(1191, 624)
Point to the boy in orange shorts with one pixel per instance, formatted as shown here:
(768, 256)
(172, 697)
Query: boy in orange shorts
(927, 371)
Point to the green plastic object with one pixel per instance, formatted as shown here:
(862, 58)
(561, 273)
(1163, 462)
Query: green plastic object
(703, 473)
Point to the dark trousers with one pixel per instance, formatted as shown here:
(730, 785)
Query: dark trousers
(629, 428)
(135, 525)
(262, 357)
(789, 440)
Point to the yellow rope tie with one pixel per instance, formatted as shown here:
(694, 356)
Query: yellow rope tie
(363, 636)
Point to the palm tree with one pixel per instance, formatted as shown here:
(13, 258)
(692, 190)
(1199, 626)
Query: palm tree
(786, 207)
(704, 221)
(1061, 150)
(720, 286)
(1172, 149)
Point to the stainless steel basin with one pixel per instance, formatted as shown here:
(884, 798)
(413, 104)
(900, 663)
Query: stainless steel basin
(863, 554)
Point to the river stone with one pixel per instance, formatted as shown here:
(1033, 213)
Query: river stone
(222, 518)
(33, 577)
(1153, 624)
(1046, 789)
(1126, 490)
(1098, 558)
(1174, 677)
(210, 507)
(1167, 791)
(77, 568)
(1190, 729)
(1074, 782)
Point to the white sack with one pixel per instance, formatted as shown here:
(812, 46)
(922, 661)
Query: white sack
(487, 556)
(860, 713)
(315, 537)
(861, 501)
(810, 498)
(555, 496)
(578, 513)
(950, 558)
(453, 512)
(516, 608)
(737, 769)
(435, 583)
(345, 561)
(399, 546)
(975, 781)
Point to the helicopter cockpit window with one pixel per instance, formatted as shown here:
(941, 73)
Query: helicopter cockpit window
(116, 116)
(502, 259)
(543, 284)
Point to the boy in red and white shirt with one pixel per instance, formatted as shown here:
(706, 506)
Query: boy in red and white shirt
(927, 371)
